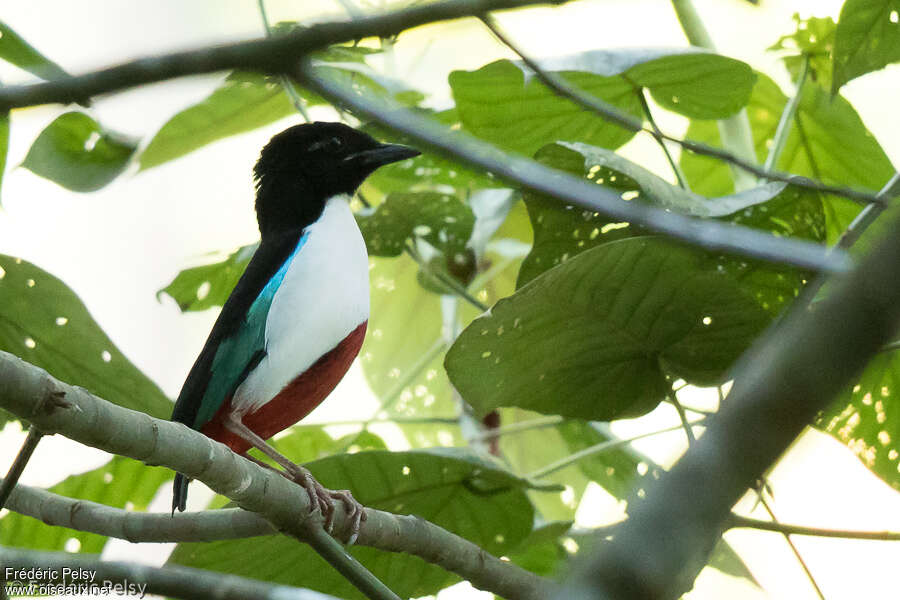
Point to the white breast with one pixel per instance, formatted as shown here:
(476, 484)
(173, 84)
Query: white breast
(324, 296)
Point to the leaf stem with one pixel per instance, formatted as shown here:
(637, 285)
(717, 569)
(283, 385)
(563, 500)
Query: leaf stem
(451, 283)
(538, 423)
(787, 118)
(283, 79)
(679, 175)
(15, 471)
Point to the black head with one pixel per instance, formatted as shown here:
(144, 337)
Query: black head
(305, 165)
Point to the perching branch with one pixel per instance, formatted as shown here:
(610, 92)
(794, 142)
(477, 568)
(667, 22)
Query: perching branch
(780, 384)
(564, 187)
(137, 580)
(28, 393)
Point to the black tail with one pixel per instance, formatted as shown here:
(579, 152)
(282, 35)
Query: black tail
(179, 493)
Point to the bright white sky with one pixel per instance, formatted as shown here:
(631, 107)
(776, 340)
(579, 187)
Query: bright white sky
(118, 246)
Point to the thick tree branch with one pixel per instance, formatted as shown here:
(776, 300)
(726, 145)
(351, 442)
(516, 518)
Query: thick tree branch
(708, 234)
(31, 394)
(176, 582)
(781, 383)
(271, 55)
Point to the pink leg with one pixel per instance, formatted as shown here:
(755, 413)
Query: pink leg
(320, 497)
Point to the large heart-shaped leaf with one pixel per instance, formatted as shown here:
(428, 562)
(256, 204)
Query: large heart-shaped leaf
(44, 322)
(596, 336)
(75, 152)
(867, 38)
(461, 493)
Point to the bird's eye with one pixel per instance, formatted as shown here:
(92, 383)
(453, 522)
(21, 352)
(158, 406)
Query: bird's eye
(328, 145)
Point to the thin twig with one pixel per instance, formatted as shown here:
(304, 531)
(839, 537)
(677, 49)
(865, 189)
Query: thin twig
(626, 121)
(334, 553)
(682, 416)
(739, 521)
(18, 466)
(531, 424)
(790, 542)
(657, 135)
(566, 188)
(446, 280)
(598, 449)
(283, 79)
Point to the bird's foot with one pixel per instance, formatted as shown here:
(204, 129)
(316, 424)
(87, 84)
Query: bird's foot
(324, 500)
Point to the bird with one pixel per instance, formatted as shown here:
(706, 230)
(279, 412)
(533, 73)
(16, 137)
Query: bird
(297, 316)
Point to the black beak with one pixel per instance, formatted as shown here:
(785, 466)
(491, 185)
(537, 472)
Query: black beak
(384, 154)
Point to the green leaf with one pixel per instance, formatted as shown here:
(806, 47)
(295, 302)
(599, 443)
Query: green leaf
(828, 142)
(244, 102)
(812, 40)
(401, 356)
(699, 85)
(867, 39)
(866, 417)
(4, 145)
(121, 483)
(247, 101)
(541, 552)
(427, 171)
(596, 336)
(15, 50)
(206, 286)
(44, 322)
(563, 231)
(440, 219)
(456, 491)
(75, 152)
(498, 104)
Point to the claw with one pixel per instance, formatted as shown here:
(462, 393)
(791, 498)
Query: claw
(324, 500)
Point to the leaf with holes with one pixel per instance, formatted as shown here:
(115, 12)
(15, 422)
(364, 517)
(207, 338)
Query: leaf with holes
(44, 322)
(866, 417)
(16, 51)
(471, 498)
(563, 231)
(828, 142)
(206, 286)
(76, 153)
(867, 39)
(596, 337)
(442, 220)
(121, 483)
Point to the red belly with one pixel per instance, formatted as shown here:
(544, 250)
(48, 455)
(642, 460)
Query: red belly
(296, 400)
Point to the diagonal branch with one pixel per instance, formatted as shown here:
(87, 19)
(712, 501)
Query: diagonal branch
(781, 383)
(564, 187)
(270, 55)
(29, 393)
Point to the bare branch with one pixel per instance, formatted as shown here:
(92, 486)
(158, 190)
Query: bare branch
(709, 234)
(95, 422)
(273, 55)
(781, 383)
(22, 458)
(738, 521)
(174, 581)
